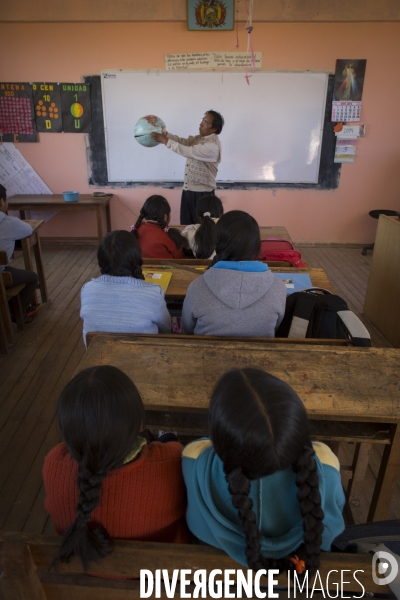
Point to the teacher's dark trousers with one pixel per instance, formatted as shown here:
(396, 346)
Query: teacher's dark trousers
(188, 206)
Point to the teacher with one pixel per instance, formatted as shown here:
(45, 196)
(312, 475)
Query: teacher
(203, 155)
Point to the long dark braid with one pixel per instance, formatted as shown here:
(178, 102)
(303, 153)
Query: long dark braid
(100, 413)
(87, 542)
(259, 426)
(309, 497)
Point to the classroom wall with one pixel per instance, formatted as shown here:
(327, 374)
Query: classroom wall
(67, 51)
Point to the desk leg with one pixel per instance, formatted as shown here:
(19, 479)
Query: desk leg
(5, 315)
(26, 249)
(40, 270)
(389, 472)
(99, 223)
(108, 218)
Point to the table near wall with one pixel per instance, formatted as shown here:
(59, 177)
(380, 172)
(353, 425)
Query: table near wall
(351, 394)
(41, 202)
(382, 300)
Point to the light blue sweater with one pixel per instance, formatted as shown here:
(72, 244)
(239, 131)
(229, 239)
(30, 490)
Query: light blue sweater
(123, 305)
(212, 517)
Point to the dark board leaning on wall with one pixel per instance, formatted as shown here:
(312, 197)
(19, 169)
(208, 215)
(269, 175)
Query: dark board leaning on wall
(328, 173)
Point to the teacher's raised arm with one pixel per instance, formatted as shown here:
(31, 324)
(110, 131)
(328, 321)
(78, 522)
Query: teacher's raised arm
(203, 155)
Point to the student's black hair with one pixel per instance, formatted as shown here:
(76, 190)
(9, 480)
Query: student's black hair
(154, 209)
(3, 193)
(208, 208)
(237, 237)
(258, 425)
(100, 414)
(218, 120)
(119, 254)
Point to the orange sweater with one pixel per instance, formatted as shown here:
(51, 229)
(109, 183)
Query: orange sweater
(143, 500)
(154, 242)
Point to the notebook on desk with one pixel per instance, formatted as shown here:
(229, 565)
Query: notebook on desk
(153, 276)
(295, 282)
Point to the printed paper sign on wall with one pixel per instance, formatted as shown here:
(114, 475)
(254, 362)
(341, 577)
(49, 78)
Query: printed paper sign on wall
(47, 103)
(16, 113)
(75, 106)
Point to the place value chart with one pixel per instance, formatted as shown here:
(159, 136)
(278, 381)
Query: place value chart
(75, 106)
(17, 122)
(47, 105)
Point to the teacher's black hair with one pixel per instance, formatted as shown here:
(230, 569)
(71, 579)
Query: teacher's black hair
(258, 425)
(3, 193)
(218, 120)
(119, 255)
(237, 237)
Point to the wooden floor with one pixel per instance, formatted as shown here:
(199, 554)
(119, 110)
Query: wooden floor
(48, 352)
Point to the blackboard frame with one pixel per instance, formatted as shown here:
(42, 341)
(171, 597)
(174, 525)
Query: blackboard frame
(329, 172)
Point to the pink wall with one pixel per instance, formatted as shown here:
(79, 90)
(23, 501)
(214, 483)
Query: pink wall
(65, 52)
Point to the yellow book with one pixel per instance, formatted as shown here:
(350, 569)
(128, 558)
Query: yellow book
(162, 279)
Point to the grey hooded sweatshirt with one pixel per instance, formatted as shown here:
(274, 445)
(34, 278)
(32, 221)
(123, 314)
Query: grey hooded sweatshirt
(230, 302)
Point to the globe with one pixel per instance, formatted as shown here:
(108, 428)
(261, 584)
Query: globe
(145, 126)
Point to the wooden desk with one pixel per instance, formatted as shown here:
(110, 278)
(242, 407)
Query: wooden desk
(86, 202)
(277, 231)
(33, 241)
(182, 276)
(351, 394)
(382, 305)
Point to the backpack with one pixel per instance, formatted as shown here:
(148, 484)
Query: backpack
(317, 313)
(277, 249)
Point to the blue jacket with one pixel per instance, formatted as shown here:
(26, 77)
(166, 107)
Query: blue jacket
(214, 520)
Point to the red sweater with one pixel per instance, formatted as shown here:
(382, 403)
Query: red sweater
(143, 500)
(156, 243)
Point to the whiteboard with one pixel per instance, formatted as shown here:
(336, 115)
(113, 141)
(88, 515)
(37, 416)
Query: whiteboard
(272, 133)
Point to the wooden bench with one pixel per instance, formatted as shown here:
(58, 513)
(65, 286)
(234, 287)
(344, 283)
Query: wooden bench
(182, 336)
(198, 262)
(25, 575)
(9, 292)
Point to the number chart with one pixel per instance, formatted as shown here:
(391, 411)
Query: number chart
(17, 122)
(75, 106)
(47, 104)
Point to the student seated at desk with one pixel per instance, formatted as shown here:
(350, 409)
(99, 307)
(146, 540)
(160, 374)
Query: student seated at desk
(105, 480)
(201, 237)
(259, 489)
(120, 301)
(238, 295)
(156, 239)
(12, 229)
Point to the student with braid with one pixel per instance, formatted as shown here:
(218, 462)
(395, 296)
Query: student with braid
(155, 238)
(105, 480)
(121, 301)
(260, 489)
(201, 237)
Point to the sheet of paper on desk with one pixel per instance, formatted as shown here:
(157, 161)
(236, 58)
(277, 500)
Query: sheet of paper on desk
(295, 282)
(162, 279)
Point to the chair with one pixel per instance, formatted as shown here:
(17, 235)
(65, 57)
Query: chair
(375, 214)
(9, 292)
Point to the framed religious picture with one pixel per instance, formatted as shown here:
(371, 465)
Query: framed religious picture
(210, 15)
